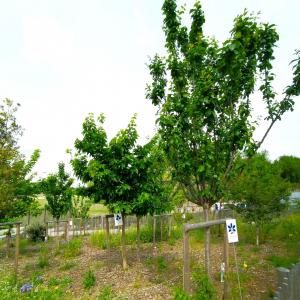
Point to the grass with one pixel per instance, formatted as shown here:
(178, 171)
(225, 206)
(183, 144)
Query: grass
(106, 293)
(282, 261)
(89, 279)
(72, 248)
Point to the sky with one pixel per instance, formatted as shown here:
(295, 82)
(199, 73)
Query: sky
(64, 59)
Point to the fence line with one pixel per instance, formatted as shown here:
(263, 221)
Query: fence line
(77, 226)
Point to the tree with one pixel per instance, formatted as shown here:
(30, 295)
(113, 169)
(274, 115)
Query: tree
(18, 192)
(58, 192)
(81, 205)
(260, 191)
(290, 169)
(203, 93)
(118, 171)
(154, 193)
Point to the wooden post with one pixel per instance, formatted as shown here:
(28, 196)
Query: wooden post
(66, 230)
(46, 237)
(8, 239)
(170, 225)
(107, 239)
(154, 229)
(138, 237)
(161, 228)
(17, 248)
(186, 262)
(226, 261)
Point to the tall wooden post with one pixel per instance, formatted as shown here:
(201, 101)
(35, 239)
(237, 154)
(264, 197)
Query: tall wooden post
(186, 263)
(107, 239)
(169, 225)
(226, 261)
(154, 230)
(46, 237)
(17, 248)
(66, 230)
(161, 228)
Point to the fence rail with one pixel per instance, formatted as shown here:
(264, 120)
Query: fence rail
(288, 283)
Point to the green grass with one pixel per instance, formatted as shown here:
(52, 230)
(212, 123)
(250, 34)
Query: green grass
(89, 279)
(282, 261)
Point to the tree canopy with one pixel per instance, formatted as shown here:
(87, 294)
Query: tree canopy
(58, 192)
(203, 93)
(18, 192)
(289, 169)
(260, 190)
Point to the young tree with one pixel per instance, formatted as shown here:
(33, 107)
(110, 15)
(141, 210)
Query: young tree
(154, 193)
(58, 192)
(81, 205)
(203, 93)
(118, 171)
(18, 191)
(260, 191)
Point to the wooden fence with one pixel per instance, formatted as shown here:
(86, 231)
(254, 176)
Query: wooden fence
(288, 283)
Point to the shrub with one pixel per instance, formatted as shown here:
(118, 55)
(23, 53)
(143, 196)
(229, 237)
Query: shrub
(89, 279)
(37, 232)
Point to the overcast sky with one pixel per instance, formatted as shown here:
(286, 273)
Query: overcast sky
(62, 59)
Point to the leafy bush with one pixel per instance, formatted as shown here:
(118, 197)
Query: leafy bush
(89, 279)
(37, 232)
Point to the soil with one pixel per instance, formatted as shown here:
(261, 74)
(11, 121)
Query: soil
(157, 272)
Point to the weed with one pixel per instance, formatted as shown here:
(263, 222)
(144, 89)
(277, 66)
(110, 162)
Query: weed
(43, 261)
(106, 293)
(161, 264)
(179, 294)
(204, 288)
(72, 248)
(89, 279)
(67, 266)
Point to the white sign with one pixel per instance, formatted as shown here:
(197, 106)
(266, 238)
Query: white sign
(118, 220)
(231, 229)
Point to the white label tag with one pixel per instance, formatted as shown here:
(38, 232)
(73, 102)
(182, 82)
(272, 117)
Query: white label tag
(231, 229)
(118, 220)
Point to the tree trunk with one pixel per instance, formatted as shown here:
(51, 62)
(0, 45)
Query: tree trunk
(123, 242)
(8, 239)
(207, 241)
(28, 218)
(138, 240)
(161, 228)
(57, 231)
(257, 234)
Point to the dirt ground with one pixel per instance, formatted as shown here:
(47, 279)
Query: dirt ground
(155, 275)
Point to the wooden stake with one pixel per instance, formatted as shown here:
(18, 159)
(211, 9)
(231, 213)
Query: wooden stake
(186, 263)
(226, 261)
(107, 239)
(17, 248)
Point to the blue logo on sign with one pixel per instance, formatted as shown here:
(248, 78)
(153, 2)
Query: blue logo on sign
(118, 217)
(231, 228)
